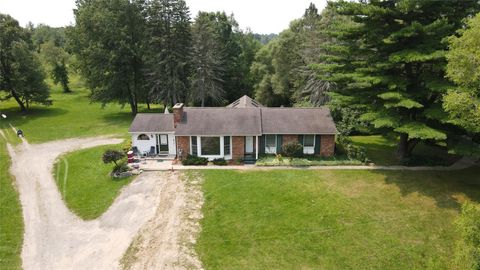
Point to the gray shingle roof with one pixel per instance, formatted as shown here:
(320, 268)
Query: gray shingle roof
(220, 121)
(241, 118)
(245, 102)
(152, 122)
(297, 121)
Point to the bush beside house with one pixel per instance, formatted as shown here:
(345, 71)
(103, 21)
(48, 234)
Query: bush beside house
(194, 160)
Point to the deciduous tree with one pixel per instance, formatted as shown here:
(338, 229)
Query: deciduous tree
(21, 74)
(107, 39)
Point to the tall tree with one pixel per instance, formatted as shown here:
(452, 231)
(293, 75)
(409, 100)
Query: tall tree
(168, 47)
(207, 63)
(21, 75)
(463, 68)
(56, 59)
(292, 53)
(107, 40)
(391, 62)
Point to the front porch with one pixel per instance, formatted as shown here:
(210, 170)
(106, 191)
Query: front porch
(160, 145)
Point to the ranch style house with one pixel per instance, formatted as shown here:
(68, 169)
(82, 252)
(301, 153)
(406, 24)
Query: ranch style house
(243, 130)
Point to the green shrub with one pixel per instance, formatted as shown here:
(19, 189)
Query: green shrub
(467, 255)
(292, 149)
(121, 167)
(220, 161)
(353, 152)
(127, 146)
(194, 160)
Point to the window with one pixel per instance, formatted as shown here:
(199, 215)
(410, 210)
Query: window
(194, 146)
(309, 144)
(143, 137)
(210, 146)
(226, 145)
(270, 144)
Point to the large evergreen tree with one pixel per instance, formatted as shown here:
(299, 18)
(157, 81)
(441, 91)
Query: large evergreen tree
(107, 38)
(21, 74)
(391, 63)
(168, 47)
(207, 62)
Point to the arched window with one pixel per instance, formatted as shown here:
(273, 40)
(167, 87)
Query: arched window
(143, 137)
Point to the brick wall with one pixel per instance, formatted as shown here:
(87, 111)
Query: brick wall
(238, 147)
(183, 142)
(327, 145)
(289, 139)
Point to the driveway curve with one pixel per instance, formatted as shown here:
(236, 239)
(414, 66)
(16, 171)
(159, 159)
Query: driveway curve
(55, 238)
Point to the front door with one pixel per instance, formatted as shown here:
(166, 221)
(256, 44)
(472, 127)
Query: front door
(249, 145)
(162, 143)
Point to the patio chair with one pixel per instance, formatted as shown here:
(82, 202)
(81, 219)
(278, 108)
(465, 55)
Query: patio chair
(135, 151)
(152, 151)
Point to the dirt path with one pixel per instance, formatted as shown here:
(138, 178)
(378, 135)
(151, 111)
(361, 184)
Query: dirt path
(54, 237)
(166, 241)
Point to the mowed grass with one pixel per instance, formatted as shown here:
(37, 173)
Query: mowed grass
(306, 219)
(382, 151)
(85, 182)
(71, 115)
(11, 220)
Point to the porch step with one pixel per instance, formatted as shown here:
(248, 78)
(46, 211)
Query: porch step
(249, 159)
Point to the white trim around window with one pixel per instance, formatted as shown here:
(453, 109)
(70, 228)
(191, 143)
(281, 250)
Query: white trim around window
(227, 156)
(271, 149)
(310, 148)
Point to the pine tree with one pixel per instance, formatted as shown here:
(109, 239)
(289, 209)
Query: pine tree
(168, 48)
(391, 62)
(207, 63)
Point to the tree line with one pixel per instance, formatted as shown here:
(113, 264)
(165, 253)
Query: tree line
(407, 68)
(151, 52)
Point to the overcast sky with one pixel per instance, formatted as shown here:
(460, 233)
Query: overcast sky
(262, 16)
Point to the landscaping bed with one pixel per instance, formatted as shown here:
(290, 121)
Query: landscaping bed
(306, 161)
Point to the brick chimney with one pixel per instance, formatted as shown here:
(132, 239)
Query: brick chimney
(177, 113)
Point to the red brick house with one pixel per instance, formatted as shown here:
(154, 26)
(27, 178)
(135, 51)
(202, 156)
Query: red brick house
(243, 130)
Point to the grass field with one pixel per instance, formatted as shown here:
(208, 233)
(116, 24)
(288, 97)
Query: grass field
(381, 151)
(87, 187)
(71, 115)
(11, 220)
(332, 219)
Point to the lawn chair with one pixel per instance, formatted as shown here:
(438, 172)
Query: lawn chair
(135, 151)
(152, 152)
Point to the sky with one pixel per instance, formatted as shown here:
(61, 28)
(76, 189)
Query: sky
(261, 16)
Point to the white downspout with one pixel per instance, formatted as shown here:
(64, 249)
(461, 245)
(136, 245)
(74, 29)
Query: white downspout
(256, 148)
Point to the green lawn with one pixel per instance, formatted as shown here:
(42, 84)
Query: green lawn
(87, 189)
(11, 220)
(71, 115)
(381, 151)
(332, 219)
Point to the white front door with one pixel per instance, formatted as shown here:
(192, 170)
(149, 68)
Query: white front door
(249, 144)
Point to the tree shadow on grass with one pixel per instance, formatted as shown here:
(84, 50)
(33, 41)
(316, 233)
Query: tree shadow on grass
(18, 118)
(448, 188)
(118, 119)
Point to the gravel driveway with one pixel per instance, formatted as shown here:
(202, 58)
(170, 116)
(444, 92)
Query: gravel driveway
(57, 239)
